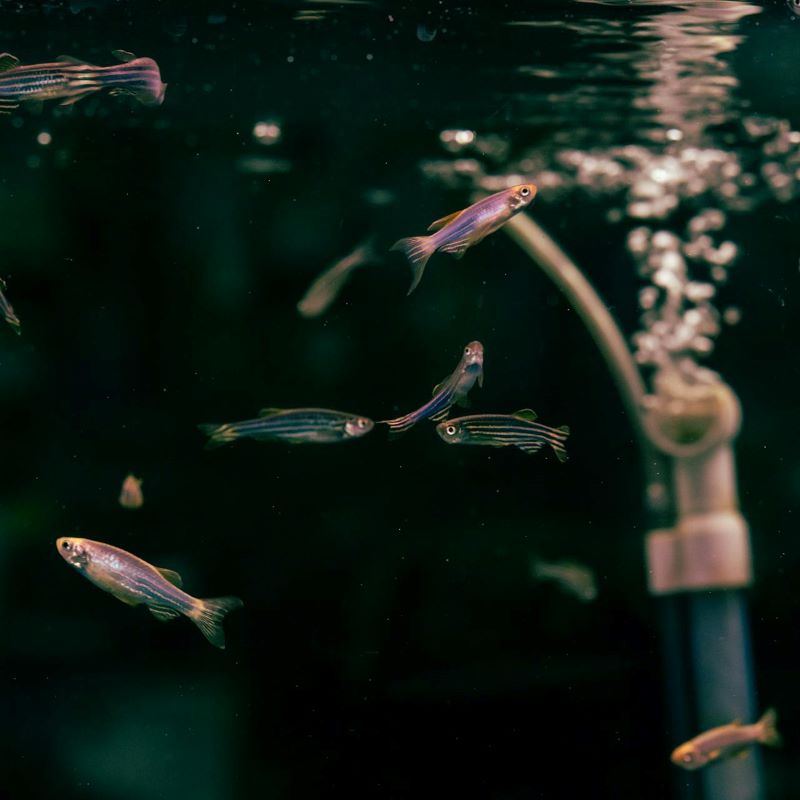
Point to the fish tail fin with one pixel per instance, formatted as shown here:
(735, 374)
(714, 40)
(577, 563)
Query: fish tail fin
(769, 732)
(558, 446)
(218, 435)
(398, 426)
(208, 616)
(417, 249)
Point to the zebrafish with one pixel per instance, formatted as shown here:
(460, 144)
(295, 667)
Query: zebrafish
(446, 394)
(458, 231)
(136, 582)
(69, 80)
(326, 287)
(8, 313)
(572, 577)
(131, 494)
(726, 741)
(292, 425)
(519, 429)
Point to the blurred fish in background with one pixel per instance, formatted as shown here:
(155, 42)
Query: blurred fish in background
(69, 80)
(572, 577)
(131, 494)
(325, 288)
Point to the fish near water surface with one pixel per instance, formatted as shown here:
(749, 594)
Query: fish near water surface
(519, 429)
(69, 80)
(459, 231)
(292, 425)
(452, 390)
(135, 582)
(726, 741)
(8, 313)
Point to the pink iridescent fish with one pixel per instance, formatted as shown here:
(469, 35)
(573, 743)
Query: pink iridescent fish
(68, 79)
(457, 232)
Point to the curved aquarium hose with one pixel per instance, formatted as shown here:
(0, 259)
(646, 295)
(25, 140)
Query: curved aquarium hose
(699, 567)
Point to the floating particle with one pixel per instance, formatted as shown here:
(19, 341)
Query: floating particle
(732, 315)
(44, 138)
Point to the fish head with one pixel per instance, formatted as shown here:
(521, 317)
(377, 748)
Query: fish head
(358, 426)
(451, 431)
(688, 756)
(520, 196)
(74, 551)
(472, 360)
(794, 6)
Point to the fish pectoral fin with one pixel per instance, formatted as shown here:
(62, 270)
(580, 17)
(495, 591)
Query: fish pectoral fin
(123, 55)
(163, 614)
(124, 598)
(440, 223)
(526, 413)
(7, 62)
(173, 577)
(72, 99)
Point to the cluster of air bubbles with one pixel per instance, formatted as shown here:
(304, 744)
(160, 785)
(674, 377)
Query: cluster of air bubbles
(679, 319)
(490, 146)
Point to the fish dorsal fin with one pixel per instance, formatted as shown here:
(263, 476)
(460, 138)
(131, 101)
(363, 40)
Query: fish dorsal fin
(7, 62)
(526, 413)
(173, 577)
(70, 60)
(269, 412)
(439, 386)
(123, 55)
(440, 223)
(565, 430)
(163, 614)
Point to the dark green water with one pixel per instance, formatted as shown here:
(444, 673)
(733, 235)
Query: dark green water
(393, 643)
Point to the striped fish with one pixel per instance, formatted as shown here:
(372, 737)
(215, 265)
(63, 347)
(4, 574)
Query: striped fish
(458, 231)
(450, 391)
(135, 582)
(519, 429)
(293, 425)
(69, 80)
(8, 313)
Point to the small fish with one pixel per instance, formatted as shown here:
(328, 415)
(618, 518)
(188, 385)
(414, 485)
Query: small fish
(136, 582)
(69, 80)
(459, 231)
(8, 312)
(519, 429)
(131, 495)
(451, 390)
(326, 287)
(292, 425)
(575, 578)
(727, 741)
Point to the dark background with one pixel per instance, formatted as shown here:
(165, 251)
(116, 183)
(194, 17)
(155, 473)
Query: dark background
(392, 642)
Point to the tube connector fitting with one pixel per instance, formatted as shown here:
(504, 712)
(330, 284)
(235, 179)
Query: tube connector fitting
(705, 551)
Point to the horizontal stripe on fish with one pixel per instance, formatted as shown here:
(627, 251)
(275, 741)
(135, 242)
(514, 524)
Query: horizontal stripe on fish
(135, 582)
(451, 390)
(299, 425)
(7, 311)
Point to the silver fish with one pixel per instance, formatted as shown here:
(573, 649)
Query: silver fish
(451, 390)
(726, 741)
(519, 429)
(69, 80)
(572, 577)
(8, 313)
(458, 231)
(293, 425)
(135, 582)
(326, 287)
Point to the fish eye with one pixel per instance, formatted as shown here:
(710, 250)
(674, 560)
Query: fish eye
(524, 191)
(687, 759)
(65, 545)
(450, 430)
(361, 422)
(467, 351)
